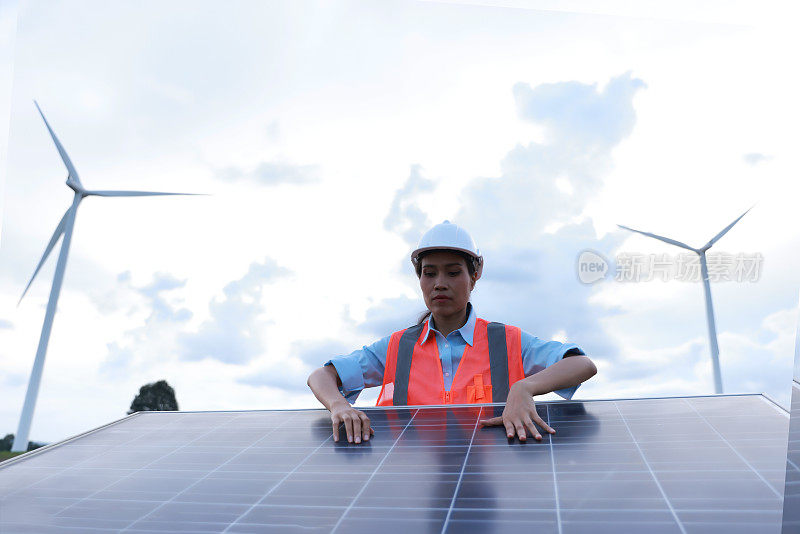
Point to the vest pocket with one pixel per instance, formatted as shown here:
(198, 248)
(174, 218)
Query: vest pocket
(478, 392)
(479, 395)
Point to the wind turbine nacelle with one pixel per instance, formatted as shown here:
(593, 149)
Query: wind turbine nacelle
(76, 186)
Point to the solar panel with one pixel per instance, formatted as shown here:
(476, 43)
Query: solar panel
(690, 464)
(791, 503)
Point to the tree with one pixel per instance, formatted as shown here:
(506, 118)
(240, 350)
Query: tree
(157, 396)
(8, 441)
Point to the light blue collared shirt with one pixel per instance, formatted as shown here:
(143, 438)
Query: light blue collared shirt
(363, 368)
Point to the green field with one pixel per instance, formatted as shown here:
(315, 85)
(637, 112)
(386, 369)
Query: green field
(5, 455)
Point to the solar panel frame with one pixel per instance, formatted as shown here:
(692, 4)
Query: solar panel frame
(454, 458)
(791, 502)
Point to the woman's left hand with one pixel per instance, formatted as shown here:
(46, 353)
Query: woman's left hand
(519, 415)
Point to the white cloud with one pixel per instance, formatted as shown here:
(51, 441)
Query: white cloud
(272, 173)
(290, 372)
(163, 312)
(754, 361)
(390, 315)
(287, 376)
(754, 158)
(153, 339)
(405, 216)
(578, 115)
(583, 124)
(234, 333)
(314, 353)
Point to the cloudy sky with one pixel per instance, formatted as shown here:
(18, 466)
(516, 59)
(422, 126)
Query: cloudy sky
(329, 135)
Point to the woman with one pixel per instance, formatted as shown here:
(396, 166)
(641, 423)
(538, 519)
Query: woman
(457, 357)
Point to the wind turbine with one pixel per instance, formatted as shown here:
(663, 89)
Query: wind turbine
(712, 328)
(64, 229)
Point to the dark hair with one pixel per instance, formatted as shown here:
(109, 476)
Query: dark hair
(469, 260)
(424, 316)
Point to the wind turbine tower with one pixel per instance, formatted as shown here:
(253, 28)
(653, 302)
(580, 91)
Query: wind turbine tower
(712, 327)
(64, 229)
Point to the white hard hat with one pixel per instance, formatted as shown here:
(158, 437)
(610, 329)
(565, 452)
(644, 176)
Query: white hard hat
(448, 236)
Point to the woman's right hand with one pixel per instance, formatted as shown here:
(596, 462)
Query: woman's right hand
(356, 422)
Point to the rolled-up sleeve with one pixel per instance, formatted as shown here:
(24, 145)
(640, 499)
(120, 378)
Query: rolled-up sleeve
(538, 354)
(362, 368)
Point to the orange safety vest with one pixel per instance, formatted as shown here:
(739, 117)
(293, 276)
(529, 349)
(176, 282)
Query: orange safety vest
(413, 373)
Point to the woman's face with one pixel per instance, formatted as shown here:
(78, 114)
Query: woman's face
(446, 283)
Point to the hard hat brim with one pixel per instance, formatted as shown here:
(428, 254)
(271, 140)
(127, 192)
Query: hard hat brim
(416, 253)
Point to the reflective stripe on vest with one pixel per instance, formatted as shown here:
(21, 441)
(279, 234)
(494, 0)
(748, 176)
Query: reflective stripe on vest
(403, 368)
(498, 358)
(494, 358)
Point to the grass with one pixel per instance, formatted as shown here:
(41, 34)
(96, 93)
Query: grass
(5, 455)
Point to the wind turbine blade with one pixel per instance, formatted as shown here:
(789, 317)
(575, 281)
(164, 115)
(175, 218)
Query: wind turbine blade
(133, 193)
(64, 157)
(660, 238)
(724, 230)
(50, 245)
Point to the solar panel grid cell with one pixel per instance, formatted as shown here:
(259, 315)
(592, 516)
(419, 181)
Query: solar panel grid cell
(663, 465)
